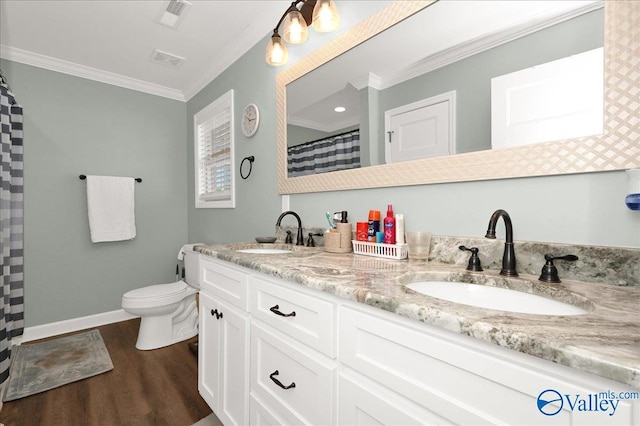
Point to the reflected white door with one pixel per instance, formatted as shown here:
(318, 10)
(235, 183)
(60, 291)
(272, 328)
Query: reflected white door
(420, 130)
(548, 102)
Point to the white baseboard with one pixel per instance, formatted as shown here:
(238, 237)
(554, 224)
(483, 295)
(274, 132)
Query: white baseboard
(68, 326)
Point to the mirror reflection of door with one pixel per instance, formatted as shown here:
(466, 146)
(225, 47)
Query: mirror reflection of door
(551, 101)
(421, 129)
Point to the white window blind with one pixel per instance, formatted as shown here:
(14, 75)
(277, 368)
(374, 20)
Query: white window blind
(213, 132)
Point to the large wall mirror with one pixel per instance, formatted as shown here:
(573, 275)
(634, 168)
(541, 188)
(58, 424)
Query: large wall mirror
(474, 158)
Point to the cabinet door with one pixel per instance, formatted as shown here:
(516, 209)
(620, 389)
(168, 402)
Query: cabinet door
(223, 360)
(234, 373)
(208, 352)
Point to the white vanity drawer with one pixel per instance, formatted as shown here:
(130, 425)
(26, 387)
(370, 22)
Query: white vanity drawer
(292, 379)
(262, 415)
(308, 319)
(364, 402)
(225, 282)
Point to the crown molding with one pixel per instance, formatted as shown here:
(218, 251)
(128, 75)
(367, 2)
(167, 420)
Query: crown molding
(66, 67)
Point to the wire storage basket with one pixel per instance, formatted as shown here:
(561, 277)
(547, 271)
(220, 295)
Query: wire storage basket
(388, 251)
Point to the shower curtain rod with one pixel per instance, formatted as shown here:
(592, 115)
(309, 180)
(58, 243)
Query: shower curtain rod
(83, 177)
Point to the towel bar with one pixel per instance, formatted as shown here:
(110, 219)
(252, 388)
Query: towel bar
(83, 177)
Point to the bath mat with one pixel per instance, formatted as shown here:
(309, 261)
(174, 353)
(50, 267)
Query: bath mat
(39, 367)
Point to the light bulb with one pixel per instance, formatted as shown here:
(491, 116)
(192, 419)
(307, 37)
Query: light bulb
(295, 28)
(276, 51)
(325, 16)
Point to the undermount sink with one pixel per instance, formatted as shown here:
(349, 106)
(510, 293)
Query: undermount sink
(501, 299)
(264, 251)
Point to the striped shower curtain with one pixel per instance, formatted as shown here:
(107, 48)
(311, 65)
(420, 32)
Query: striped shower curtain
(338, 152)
(11, 224)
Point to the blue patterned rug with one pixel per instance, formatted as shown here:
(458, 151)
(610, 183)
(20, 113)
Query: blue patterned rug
(39, 367)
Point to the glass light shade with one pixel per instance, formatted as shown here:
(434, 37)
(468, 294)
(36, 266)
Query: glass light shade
(277, 52)
(325, 16)
(295, 28)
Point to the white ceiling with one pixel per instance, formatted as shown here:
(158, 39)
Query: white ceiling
(112, 41)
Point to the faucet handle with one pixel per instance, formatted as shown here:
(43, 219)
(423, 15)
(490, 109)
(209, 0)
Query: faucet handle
(310, 242)
(549, 272)
(474, 260)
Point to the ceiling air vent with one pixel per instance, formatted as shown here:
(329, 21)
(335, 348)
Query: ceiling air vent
(174, 13)
(166, 59)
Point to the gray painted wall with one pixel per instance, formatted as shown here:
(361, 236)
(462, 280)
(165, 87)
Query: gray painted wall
(76, 126)
(257, 202)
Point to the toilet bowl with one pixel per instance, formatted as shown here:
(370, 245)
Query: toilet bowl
(168, 312)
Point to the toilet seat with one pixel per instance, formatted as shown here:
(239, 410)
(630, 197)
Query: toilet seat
(157, 295)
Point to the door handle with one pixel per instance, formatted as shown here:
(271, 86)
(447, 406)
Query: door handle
(390, 133)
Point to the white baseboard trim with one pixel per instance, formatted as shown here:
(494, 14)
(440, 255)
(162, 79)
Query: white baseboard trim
(74, 324)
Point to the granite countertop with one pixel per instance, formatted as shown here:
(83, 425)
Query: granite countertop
(605, 341)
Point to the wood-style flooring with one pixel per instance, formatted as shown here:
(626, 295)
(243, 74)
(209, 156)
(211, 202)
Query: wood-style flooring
(157, 387)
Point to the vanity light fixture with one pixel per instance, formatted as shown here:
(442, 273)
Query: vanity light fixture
(339, 109)
(322, 14)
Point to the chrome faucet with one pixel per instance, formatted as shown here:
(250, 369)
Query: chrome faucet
(509, 256)
(299, 237)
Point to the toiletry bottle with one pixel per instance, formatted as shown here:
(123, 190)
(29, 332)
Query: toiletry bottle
(345, 230)
(400, 229)
(362, 229)
(374, 225)
(389, 226)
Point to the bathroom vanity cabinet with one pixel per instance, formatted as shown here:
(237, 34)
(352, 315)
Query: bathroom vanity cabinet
(282, 353)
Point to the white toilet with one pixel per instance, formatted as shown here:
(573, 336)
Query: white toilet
(169, 312)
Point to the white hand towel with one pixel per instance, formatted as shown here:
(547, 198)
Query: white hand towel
(111, 205)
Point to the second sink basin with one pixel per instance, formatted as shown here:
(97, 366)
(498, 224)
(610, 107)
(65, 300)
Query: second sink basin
(501, 299)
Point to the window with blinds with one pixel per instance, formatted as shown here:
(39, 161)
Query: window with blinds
(214, 171)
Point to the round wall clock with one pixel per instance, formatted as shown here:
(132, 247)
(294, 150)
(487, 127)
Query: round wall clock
(250, 120)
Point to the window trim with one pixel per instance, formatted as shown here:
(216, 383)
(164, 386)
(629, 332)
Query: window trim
(199, 118)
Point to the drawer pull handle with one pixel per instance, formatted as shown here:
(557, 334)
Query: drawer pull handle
(275, 310)
(277, 382)
(217, 314)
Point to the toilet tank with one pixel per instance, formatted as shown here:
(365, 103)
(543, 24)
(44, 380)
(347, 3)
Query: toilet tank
(192, 274)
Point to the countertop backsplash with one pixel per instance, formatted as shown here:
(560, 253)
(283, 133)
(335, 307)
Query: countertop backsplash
(599, 264)
(606, 265)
